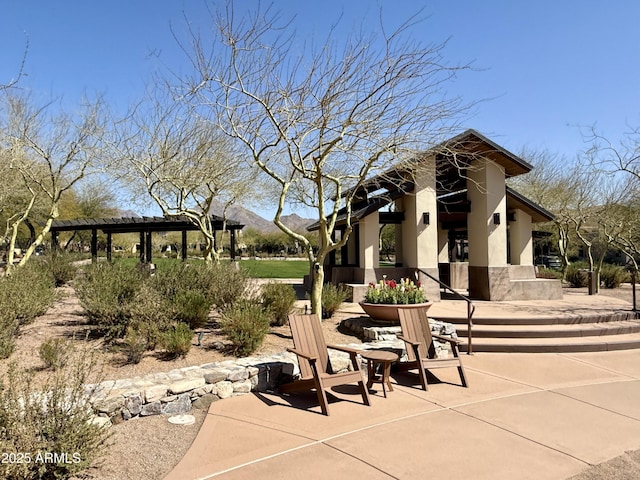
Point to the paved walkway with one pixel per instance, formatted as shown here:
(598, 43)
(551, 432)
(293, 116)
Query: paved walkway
(538, 416)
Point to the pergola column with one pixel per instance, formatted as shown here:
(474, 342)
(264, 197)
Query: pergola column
(183, 246)
(109, 246)
(94, 246)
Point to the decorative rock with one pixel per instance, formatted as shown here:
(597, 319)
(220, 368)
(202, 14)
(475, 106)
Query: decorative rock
(110, 405)
(156, 392)
(204, 402)
(181, 405)
(133, 404)
(186, 385)
(238, 375)
(225, 389)
(243, 386)
(168, 398)
(103, 422)
(216, 376)
(154, 408)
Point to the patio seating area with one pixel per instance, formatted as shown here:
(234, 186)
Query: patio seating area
(524, 415)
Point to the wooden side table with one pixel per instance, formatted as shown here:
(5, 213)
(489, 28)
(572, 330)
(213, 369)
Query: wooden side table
(381, 359)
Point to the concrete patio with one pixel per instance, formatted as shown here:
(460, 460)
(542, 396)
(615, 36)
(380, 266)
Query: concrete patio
(538, 416)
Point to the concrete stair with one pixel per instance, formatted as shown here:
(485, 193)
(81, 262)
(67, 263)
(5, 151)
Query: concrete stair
(603, 331)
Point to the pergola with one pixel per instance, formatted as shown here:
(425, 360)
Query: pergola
(145, 226)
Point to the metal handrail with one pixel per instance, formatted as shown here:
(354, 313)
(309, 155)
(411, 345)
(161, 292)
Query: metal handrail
(471, 308)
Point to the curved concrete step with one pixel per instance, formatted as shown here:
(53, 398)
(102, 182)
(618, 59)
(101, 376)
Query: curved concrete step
(605, 316)
(598, 343)
(552, 331)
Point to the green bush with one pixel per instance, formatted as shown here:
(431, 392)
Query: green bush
(544, 272)
(332, 298)
(278, 299)
(134, 344)
(192, 308)
(106, 292)
(54, 352)
(53, 418)
(245, 323)
(60, 267)
(612, 276)
(576, 275)
(8, 333)
(228, 283)
(28, 292)
(177, 340)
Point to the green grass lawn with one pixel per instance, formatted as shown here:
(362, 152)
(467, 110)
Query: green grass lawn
(256, 268)
(276, 268)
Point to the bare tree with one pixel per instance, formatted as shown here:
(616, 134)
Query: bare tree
(49, 152)
(616, 160)
(183, 162)
(624, 157)
(319, 120)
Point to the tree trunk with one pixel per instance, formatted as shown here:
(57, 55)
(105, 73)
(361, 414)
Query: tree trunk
(316, 289)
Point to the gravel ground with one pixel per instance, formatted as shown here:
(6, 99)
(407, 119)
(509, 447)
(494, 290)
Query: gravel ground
(145, 448)
(148, 448)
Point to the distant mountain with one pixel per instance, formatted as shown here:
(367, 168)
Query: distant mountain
(252, 220)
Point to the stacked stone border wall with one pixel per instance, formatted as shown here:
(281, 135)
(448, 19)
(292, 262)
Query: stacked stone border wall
(177, 391)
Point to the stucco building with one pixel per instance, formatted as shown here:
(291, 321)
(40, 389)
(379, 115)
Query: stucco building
(455, 218)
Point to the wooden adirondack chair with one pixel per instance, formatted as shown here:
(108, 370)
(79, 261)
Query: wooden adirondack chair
(421, 352)
(315, 367)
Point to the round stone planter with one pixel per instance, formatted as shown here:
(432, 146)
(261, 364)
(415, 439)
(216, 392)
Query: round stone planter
(388, 313)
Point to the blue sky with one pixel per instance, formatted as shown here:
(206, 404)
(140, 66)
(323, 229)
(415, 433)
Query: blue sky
(543, 69)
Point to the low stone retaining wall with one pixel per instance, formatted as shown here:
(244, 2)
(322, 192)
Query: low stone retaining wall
(177, 391)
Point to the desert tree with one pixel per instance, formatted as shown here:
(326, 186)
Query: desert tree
(611, 157)
(49, 151)
(319, 118)
(621, 160)
(182, 161)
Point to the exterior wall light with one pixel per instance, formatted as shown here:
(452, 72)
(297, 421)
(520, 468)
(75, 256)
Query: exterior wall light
(425, 218)
(496, 218)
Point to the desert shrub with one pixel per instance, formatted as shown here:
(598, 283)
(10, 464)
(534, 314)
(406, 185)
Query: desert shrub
(135, 343)
(181, 277)
(576, 275)
(28, 292)
(177, 340)
(192, 308)
(60, 268)
(53, 418)
(278, 299)
(228, 284)
(149, 308)
(612, 276)
(544, 272)
(332, 298)
(245, 323)
(54, 352)
(106, 292)
(8, 332)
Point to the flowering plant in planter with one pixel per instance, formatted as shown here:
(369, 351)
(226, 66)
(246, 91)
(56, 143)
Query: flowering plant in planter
(395, 293)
